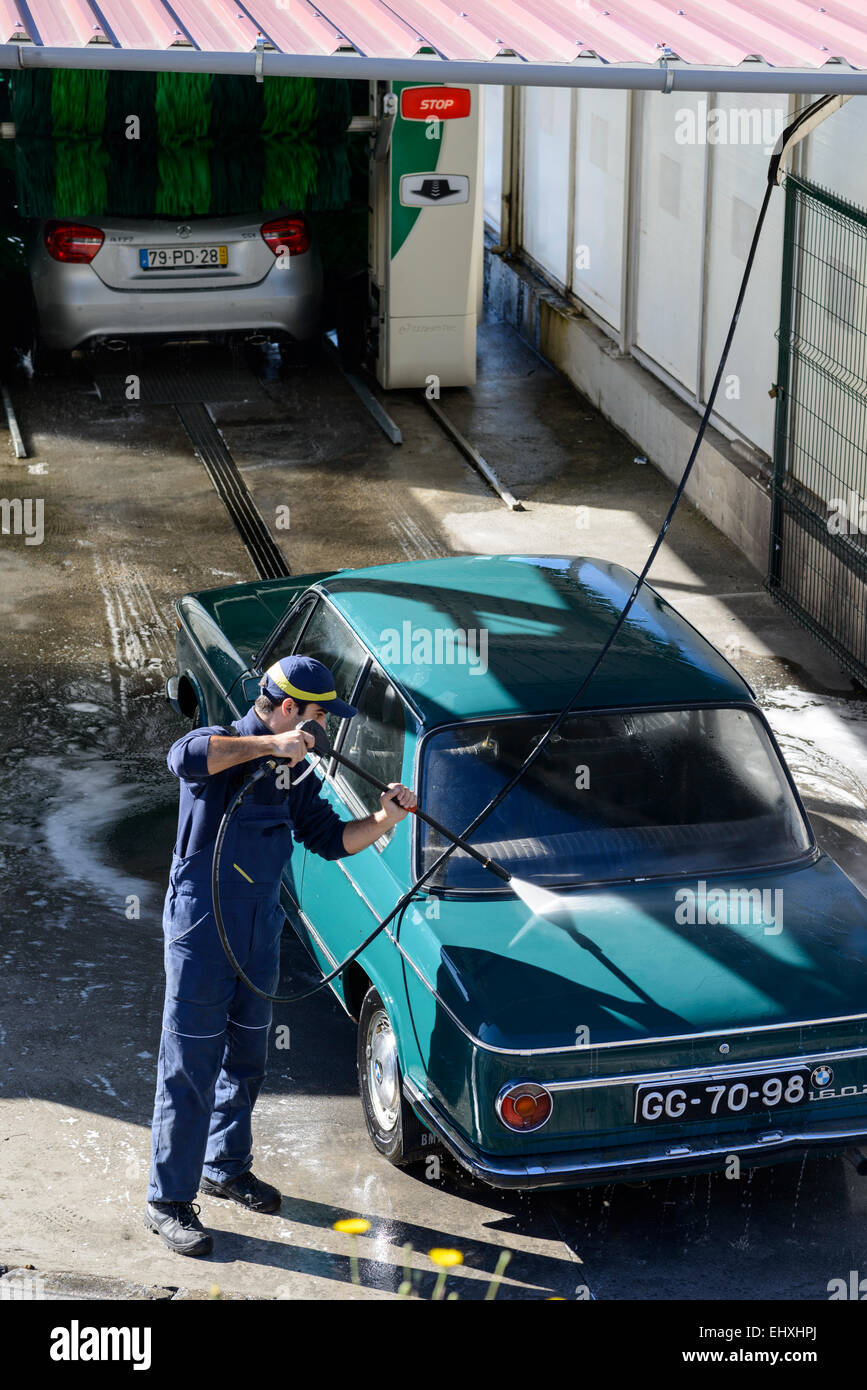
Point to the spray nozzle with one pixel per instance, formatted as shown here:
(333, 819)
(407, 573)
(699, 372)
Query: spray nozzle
(319, 736)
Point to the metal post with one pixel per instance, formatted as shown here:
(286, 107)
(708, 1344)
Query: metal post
(571, 188)
(706, 222)
(633, 209)
(787, 291)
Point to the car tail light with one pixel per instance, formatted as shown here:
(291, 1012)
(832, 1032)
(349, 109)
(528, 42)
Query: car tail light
(524, 1106)
(287, 235)
(72, 241)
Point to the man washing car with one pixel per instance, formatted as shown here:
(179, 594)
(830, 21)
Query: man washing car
(215, 1030)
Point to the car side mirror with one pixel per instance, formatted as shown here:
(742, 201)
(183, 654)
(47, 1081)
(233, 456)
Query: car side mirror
(251, 687)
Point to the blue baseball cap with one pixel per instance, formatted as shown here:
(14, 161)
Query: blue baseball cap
(304, 678)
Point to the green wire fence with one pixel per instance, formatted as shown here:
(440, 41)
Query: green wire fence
(818, 543)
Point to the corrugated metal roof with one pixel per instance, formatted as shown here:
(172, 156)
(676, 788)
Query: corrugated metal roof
(783, 33)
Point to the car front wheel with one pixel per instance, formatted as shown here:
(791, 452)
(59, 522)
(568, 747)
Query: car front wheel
(391, 1123)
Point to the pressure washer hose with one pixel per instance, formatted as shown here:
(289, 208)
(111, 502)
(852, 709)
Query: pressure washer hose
(495, 800)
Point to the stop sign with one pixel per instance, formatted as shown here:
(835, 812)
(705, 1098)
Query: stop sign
(446, 103)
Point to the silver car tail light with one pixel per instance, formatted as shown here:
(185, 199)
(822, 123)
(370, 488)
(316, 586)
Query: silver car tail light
(73, 242)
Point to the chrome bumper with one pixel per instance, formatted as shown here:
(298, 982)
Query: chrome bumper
(584, 1167)
(172, 685)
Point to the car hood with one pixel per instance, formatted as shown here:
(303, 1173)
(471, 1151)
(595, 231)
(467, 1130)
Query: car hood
(649, 960)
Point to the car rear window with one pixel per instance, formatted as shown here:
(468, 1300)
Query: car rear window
(612, 796)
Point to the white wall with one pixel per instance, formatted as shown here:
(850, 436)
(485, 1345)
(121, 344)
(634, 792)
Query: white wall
(834, 152)
(688, 258)
(738, 180)
(546, 139)
(600, 201)
(493, 98)
(670, 251)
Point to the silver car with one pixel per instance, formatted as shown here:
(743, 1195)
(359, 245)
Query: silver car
(111, 280)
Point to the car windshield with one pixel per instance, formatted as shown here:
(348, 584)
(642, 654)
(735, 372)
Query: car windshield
(611, 796)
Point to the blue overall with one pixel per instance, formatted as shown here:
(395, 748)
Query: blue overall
(215, 1030)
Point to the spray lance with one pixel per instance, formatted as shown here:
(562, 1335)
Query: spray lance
(539, 900)
(323, 747)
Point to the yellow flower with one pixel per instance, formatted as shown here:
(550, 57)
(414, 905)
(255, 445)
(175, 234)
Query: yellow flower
(352, 1225)
(446, 1258)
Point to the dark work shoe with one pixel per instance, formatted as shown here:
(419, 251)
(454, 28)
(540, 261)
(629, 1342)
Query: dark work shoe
(247, 1190)
(179, 1225)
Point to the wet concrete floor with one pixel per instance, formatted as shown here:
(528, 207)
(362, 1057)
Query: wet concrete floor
(87, 817)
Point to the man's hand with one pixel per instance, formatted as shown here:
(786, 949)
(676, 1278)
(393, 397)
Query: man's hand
(396, 803)
(291, 746)
(225, 751)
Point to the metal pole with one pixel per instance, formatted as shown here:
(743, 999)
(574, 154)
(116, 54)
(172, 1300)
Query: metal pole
(504, 245)
(665, 77)
(12, 421)
(472, 455)
(781, 387)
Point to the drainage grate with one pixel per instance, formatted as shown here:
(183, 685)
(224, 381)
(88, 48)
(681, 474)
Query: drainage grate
(223, 472)
(181, 385)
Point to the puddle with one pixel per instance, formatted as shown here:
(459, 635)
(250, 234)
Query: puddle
(100, 829)
(824, 741)
(95, 809)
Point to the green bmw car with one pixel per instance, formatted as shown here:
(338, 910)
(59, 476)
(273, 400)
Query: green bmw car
(695, 987)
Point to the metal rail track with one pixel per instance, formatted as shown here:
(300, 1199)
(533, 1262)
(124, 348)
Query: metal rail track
(210, 448)
(184, 388)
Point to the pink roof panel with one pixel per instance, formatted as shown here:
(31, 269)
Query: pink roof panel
(720, 33)
(146, 24)
(373, 28)
(67, 23)
(11, 21)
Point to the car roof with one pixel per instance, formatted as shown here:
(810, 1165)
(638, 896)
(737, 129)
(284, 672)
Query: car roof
(534, 625)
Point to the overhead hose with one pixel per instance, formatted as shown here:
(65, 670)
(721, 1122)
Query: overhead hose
(783, 145)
